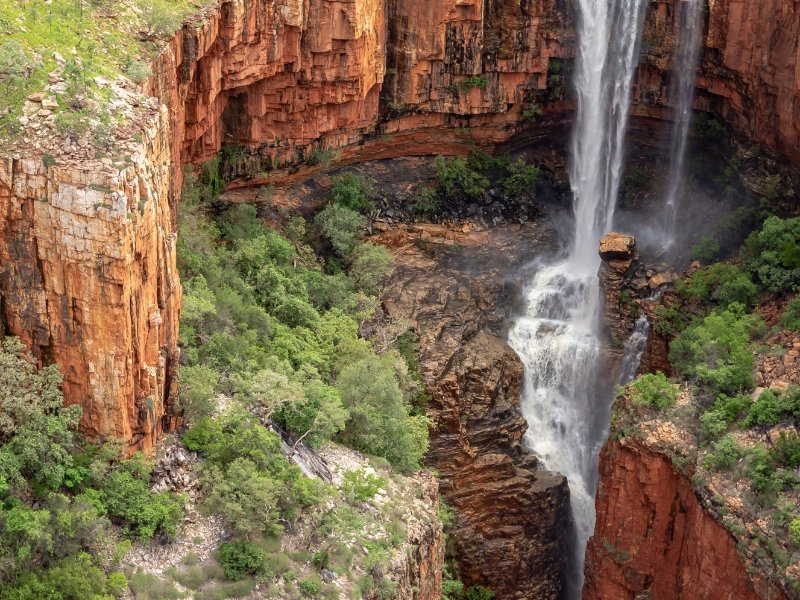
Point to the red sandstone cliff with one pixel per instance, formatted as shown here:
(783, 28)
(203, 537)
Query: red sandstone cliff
(83, 285)
(654, 539)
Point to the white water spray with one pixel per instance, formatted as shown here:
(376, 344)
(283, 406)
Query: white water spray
(689, 24)
(557, 338)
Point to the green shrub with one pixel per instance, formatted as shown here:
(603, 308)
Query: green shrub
(653, 390)
(310, 587)
(669, 321)
(241, 558)
(765, 412)
(15, 65)
(342, 227)
(727, 452)
(519, 180)
(706, 250)
(321, 157)
(717, 350)
(426, 202)
(360, 486)
(786, 451)
(142, 513)
(531, 112)
(478, 592)
(790, 319)
(713, 424)
(732, 407)
(456, 180)
(245, 496)
(117, 584)
(452, 589)
(353, 192)
(161, 16)
(473, 82)
(794, 531)
(761, 470)
(773, 254)
(137, 71)
(719, 283)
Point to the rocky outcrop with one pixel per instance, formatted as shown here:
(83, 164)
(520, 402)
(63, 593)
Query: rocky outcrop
(88, 279)
(512, 527)
(629, 290)
(655, 539)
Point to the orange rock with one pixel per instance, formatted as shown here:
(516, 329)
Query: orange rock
(654, 539)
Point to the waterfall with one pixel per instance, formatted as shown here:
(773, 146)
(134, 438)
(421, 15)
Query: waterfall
(634, 349)
(685, 58)
(557, 336)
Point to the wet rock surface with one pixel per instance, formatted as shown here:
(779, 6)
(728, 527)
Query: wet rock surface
(513, 522)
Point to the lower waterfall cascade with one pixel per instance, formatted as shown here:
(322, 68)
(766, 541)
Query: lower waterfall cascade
(557, 336)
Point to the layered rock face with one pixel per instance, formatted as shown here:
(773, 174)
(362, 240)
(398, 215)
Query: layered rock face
(286, 78)
(751, 71)
(88, 280)
(512, 527)
(654, 539)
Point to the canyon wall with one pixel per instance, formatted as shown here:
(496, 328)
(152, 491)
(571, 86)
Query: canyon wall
(288, 80)
(512, 526)
(654, 539)
(88, 278)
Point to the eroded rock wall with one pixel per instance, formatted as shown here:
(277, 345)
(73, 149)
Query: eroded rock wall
(88, 280)
(512, 528)
(654, 539)
(286, 78)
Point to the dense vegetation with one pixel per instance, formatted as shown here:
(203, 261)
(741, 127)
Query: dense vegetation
(68, 510)
(749, 437)
(270, 335)
(468, 179)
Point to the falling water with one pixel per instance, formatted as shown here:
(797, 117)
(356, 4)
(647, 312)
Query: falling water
(557, 337)
(687, 53)
(634, 349)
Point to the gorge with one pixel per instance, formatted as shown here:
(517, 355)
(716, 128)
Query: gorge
(292, 94)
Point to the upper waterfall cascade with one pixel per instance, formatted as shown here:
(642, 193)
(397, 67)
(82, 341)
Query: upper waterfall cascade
(557, 337)
(685, 59)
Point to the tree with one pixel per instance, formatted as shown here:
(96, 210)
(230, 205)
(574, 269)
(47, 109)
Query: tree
(773, 254)
(380, 422)
(267, 392)
(37, 432)
(15, 64)
(342, 226)
(371, 266)
(198, 391)
(245, 496)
